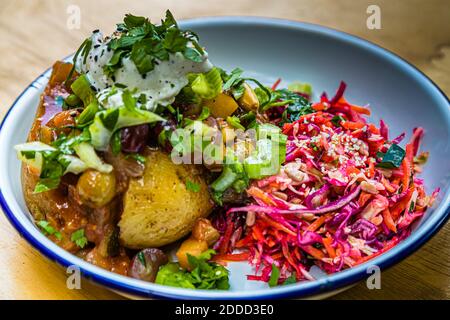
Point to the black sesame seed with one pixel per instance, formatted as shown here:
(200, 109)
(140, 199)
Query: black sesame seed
(96, 46)
(113, 78)
(96, 58)
(144, 76)
(93, 88)
(96, 31)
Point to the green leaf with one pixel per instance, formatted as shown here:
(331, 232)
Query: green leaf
(393, 157)
(115, 62)
(204, 274)
(174, 41)
(141, 258)
(336, 120)
(138, 157)
(192, 186)
(142, 60)
(109, 119)
(116, 145)
(75, 58)
(290, 280)
(79, 238)
(169, 21)
(132, 21)
(46, 184)
(193, 54)
(233, 78)
(48, 229)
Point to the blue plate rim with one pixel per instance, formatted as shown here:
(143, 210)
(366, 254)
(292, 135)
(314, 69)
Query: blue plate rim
(332, 282)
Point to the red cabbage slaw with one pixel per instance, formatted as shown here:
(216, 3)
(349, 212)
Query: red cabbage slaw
(333, 204)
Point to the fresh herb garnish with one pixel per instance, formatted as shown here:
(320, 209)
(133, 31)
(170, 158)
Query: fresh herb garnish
(79, 238)
(192, 186)
(48, 229)
(116, 144)
(83, 50)
(336, 120)
(145, 43)
(141, 258)
(138, 157)
(297, 105)
(290, 280)
(204, 274)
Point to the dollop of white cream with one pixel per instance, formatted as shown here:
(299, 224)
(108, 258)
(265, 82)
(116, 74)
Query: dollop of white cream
(160, 86)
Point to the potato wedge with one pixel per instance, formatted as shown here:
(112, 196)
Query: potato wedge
(158, 208)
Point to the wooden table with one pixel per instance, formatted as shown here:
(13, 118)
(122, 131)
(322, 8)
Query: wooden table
(34, 34)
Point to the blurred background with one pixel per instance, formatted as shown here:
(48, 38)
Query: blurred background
(36, 33)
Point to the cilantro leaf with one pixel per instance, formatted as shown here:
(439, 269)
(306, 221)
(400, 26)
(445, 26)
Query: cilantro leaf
(297, 105)
(204, 274)
(116, 145)
(48, 229)
(79, 238)
(138, 157)
(132, 21)
(336, 120)
(290, 280)
(144, 43)
(192, 186)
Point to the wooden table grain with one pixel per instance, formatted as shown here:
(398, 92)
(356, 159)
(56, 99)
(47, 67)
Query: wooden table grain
(33, 34)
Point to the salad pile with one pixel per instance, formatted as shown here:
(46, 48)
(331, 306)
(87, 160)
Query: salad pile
(346, 193)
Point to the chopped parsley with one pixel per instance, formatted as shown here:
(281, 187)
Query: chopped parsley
(138, 157)
(146, 43)
(192, 186)
(48, 229)
(79, 238)
(336, 120)
(204, 274)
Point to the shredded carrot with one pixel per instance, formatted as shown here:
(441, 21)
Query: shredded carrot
(318, 223)
(276, 83)
(364, 198)
(232, 257)
(387, 218)
(406, 173)
(360, 109)
(327, 243)
(351, 125)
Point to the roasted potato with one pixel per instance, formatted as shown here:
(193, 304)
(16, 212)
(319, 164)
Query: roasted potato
(158, 208)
